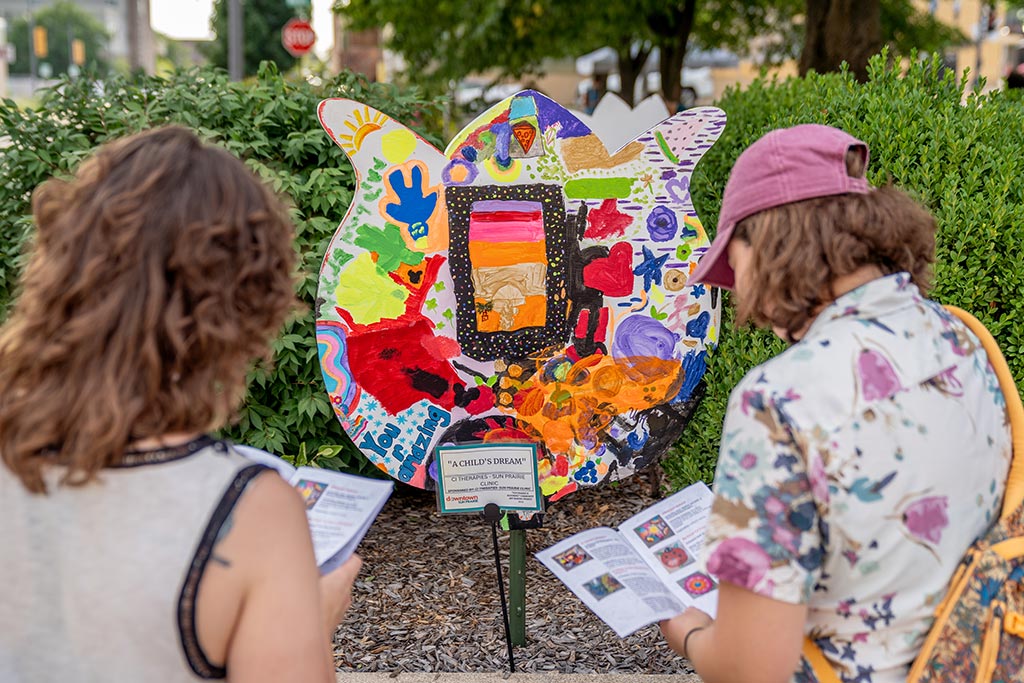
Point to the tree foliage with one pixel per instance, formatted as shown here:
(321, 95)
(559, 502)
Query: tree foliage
(906, 29)
(638, 28)
(450, 39)
(262, 21)
(271, 123)
(64, 21)
(444, 40)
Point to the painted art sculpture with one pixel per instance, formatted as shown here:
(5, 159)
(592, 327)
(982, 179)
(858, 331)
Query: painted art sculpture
(526, 284)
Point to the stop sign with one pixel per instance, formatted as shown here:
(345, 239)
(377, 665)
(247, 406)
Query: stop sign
(298, 37)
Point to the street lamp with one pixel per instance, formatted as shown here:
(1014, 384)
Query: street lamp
(4, 55)
(31, 48)
(236, 66)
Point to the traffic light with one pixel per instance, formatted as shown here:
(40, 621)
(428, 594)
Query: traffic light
(39, 45)
(78, 52)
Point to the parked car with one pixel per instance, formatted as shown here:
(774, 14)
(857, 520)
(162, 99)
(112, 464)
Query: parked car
(698, 86)
(469, 92)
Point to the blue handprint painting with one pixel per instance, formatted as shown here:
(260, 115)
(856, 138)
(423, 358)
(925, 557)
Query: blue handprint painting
(413, 206)
(526, 284)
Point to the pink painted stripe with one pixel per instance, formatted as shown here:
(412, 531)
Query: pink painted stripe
(505, 205)
(506, 231)
(499, 216)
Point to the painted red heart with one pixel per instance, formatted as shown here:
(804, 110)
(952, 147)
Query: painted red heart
(612, 274)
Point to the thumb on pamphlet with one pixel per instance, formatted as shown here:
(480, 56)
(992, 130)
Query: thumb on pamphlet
(336, 591)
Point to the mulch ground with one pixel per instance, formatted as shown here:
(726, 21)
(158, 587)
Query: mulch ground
(427, 598)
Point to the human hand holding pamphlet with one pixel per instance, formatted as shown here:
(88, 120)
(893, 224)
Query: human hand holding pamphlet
(645, 571)
(340, 507)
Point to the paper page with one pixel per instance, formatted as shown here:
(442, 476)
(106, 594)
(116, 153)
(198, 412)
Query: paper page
(611, 579)
(340, 509)
(669, 536)
(264, 458)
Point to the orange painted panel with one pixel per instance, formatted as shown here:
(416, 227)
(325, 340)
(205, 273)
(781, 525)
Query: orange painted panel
(490, 254)
(532, 313)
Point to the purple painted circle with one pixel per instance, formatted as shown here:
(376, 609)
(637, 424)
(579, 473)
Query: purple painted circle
(643, 336)
(662, 224)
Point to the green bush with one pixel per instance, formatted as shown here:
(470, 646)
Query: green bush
(269, 122)
(957, 152)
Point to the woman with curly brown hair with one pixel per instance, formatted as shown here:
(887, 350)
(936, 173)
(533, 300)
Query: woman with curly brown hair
(857, 466)
(135, 546)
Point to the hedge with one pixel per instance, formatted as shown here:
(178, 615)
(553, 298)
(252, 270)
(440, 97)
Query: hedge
(957, 152)
(271, 123)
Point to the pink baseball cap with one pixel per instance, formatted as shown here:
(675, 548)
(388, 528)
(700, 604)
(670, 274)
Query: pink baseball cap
(784, 166)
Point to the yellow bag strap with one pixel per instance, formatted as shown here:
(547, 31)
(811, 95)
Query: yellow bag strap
(1014, 495)
(823, 670)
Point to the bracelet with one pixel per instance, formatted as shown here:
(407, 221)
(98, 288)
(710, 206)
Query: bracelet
(686, 640)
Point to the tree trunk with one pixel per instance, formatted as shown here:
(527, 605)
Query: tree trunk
(841, 31)
(673, 28)
(629, 69)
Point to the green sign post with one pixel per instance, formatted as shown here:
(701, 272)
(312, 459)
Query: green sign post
(486, 478)
(517, 585)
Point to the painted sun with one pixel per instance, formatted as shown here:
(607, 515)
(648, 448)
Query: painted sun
(361, 124)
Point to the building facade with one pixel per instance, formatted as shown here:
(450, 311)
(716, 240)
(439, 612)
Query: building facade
(995, 43)
(127, 22)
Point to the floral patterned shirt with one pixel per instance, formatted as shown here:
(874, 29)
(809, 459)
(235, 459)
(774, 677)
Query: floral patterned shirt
(855, 470)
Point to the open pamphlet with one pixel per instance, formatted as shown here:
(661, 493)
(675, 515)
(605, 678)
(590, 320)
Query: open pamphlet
(647, 570)
(340, 507)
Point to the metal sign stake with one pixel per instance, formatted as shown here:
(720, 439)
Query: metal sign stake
(492, 513)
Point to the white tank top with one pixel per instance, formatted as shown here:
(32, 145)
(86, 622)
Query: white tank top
(98, 582)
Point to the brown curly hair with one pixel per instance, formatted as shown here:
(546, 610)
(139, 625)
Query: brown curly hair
(800, 249)
(158, 274)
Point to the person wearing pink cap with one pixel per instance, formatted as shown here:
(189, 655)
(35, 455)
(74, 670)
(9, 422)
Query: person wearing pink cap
(857, 466)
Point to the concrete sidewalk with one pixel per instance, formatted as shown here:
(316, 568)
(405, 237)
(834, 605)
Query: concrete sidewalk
(384, 677)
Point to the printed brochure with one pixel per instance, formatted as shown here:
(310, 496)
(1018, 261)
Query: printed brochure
(647, 570)
(340, 507)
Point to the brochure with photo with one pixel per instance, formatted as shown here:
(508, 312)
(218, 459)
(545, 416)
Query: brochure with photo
(340, 507)
(645, 571)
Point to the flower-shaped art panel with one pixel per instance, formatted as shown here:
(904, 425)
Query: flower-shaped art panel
(525, 284)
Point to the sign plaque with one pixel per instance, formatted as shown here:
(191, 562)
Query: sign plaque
(469, 476)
